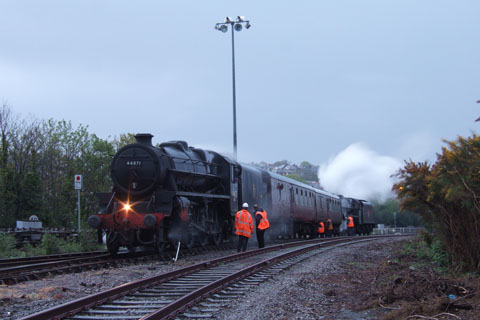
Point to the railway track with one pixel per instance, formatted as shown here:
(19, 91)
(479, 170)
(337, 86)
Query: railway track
(13, 271)
(6, 263)
(194, 291)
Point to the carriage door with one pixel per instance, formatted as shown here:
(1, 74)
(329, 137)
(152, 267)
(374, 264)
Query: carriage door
(292, 202)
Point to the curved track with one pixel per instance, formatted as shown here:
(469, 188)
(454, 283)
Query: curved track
(169, 294)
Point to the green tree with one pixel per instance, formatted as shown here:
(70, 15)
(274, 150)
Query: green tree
(123, 140)
(384, 214)
(308, 171)
(296, 177)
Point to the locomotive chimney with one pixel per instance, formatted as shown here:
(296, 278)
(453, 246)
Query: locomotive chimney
(144, 138)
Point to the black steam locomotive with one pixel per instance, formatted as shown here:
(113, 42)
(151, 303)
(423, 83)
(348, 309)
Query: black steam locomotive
(173, 192)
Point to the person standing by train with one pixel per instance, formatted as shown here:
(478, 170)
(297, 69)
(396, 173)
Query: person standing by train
(244, 227)
(262, 225)
(329, 228)
(350, 226)
(321, 229)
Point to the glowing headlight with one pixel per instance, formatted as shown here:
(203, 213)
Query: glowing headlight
(126, 207)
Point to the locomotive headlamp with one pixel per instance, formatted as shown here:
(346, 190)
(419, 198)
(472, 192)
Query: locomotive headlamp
(127, 207)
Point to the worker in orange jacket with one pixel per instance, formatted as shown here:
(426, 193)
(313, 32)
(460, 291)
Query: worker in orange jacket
(350, 226)
(262, 225)
(329, 228)
(321, 229)
(244, 227)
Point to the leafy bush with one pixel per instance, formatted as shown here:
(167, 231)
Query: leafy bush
(51, 244)
(31, 251)
(429, 249)
(88, 240)
(7, 246)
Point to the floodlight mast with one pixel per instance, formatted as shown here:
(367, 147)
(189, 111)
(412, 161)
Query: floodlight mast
(237, 26)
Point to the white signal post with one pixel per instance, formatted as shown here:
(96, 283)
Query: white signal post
(78, 184)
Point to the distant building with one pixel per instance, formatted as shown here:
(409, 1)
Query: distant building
(286, 169)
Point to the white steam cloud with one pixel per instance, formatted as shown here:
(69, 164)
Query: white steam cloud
(359, 172)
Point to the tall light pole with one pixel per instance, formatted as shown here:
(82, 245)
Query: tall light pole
(236, 25)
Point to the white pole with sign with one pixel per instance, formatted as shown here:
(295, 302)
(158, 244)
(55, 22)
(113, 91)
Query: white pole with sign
(78, 183)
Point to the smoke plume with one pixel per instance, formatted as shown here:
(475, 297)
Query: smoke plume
(359, 172)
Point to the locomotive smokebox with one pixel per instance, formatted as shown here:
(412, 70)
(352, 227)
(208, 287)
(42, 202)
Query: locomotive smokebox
(144, 138)
(139, 168)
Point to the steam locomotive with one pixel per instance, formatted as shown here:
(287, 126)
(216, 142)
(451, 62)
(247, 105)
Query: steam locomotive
(175, 193)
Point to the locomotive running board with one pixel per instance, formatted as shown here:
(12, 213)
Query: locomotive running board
(201, 195)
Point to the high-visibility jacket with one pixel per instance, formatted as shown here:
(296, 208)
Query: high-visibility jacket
(321, 227)
(350, 223)
(244, 223)
(264, 224)
(329, 225)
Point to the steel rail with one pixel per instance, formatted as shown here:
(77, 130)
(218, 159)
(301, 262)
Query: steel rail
(5, 263)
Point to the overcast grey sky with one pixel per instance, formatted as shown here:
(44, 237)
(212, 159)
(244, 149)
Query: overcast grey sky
(313, 77)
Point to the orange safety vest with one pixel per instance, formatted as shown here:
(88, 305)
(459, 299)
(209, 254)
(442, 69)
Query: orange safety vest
(350, 222)
(329, 224)
(244, 223)
(264, 224)
(321, 228)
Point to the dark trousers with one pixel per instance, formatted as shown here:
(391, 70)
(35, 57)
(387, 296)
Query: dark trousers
(329, 233)
(242, 243)
(351, 231)
(260, 238)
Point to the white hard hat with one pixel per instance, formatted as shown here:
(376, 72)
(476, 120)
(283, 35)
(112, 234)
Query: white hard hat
(245, 205)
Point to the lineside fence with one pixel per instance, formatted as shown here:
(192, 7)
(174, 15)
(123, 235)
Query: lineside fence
(385, 231)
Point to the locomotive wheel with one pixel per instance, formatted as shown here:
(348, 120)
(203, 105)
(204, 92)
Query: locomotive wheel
(189, 240)
(204, 240)
(217, 238)
(160, 247)
(218, 231)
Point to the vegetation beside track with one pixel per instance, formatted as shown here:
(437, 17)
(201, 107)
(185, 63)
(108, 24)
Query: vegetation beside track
(49, 245)
(446, 195)
(416, 283)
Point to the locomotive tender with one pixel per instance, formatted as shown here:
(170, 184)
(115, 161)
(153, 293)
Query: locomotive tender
(173, 192)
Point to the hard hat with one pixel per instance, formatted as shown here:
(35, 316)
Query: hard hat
(245, 205)
(255, 205)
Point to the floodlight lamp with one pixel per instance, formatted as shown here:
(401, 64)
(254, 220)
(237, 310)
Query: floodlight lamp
(223, 28)
(238, 27)
(248, 25)
(240, 19)
(228, 20)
